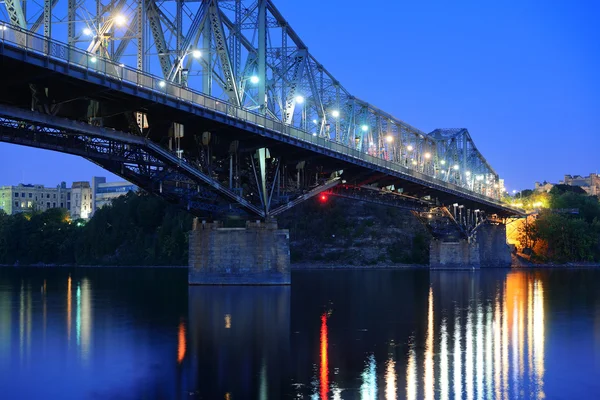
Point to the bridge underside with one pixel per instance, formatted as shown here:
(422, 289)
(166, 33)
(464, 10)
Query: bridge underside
(220, 166)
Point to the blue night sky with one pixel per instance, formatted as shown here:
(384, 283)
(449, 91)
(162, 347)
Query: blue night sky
(522, 76)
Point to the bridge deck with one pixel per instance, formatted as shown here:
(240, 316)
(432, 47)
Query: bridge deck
(27, 57)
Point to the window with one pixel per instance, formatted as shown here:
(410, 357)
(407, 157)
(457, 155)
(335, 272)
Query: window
(48, 196)
(48, 205)
(22, 194)
(30, 195)
(85, 197)
(16, 194)
(53, 205)
(69, 205)
(61, 205)
(16, 204)
(54, 196)
(68, 196)
(29, 204)
(22, 204)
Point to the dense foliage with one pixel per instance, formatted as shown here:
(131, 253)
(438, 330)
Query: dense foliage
(343, 231)
(136, 229)
(558, 235)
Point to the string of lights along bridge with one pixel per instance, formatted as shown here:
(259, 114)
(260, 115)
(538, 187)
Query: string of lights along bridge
(242, 58)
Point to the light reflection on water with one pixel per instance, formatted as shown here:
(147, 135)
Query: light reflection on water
(344, 335)
(479, 353)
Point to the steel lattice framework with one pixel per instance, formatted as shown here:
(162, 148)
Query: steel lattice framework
(244, 52)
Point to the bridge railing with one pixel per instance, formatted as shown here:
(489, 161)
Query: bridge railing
(34, 43)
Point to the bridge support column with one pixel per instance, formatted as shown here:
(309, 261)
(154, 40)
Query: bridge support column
(487, 248)
(463, 254)
(256, 255)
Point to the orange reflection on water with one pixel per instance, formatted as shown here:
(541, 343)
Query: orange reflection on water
(324, 384)
(181, 343)
(411, 373)
(390, 380)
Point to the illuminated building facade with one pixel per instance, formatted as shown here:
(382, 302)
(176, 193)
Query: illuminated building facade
(27, 198)
(81, 199)
(590, 183)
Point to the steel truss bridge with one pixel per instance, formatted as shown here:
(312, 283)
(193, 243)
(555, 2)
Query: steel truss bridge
(218, 106)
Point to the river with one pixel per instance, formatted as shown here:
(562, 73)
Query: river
(137, 333)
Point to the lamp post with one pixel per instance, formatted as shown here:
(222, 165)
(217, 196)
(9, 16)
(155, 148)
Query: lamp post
(179, 70)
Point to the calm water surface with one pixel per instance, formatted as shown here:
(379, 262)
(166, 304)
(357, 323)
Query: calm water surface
(142, 334)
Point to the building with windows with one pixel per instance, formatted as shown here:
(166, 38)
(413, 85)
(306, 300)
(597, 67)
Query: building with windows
(590, 183)
(82, 199)
(104, 192)
(27, 198)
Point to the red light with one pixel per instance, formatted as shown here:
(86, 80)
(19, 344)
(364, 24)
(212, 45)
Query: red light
(323, 198)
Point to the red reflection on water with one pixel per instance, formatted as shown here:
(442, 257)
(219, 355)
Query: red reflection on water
(181, 344)
(324, 360)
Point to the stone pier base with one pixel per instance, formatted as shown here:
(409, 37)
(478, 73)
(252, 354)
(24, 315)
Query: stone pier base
(486, 249)
(453, 255)
(256, 255)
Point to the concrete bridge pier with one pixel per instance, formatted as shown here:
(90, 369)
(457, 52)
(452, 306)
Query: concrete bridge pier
(258, 254)
(486, 248)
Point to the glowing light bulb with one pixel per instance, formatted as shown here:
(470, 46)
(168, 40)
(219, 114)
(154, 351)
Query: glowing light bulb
(120, 20)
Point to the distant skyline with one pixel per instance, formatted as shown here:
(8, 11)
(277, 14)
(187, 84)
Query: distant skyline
(522, 77)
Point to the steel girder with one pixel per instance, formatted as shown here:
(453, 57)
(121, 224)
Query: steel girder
(259, 62)
(136, 159)
(15, 13)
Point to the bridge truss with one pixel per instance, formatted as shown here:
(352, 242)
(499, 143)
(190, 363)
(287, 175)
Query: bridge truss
(245, 53)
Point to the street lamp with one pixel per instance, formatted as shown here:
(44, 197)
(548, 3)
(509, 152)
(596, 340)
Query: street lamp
(299, 99)
(389, 138)
(335, 113)
(87, 31)
(179, 66)
(254, 79)
(409, 148)
(120, 20)
(364, 128)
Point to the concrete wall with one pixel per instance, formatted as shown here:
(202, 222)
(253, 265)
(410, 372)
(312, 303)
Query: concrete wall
(256, 255)
(494, 252)
(486, 249)
(453, 255)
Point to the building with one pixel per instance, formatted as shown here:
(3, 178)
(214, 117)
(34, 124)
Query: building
(81, 199)
(104, 192)
(544, 187)
(27, 198)
(590, 183)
